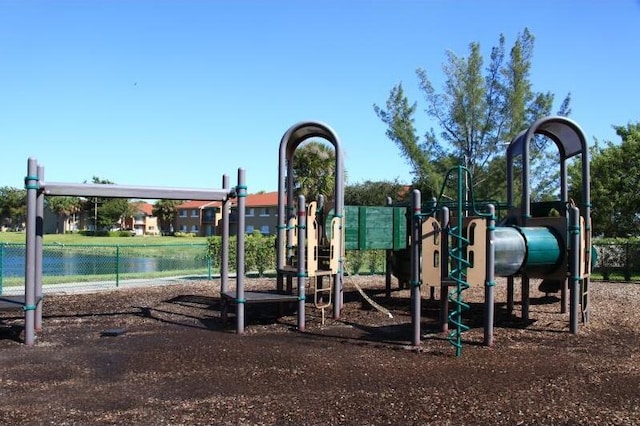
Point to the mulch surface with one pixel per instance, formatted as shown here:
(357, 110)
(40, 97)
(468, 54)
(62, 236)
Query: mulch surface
(162, 355)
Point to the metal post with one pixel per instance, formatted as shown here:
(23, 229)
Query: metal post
(2, 251)
(563, 296)
(38, 258)
(489, 296)
(444, 271)
(525, 297)
(224, 256)
(302, 232)
(574, 267)
(510, 294)
(388, 256)
(32, 186)
(416, 246)
(240, 298)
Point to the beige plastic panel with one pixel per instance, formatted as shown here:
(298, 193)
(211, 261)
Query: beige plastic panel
(431, 253)
(585, 255)
(291, 238)
(312, 239)
(477, 251)
(334, 253)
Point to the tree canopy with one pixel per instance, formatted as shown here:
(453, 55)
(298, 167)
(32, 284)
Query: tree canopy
(13, 206)
(106, 212)
(478, 111)
(63, 207)
(165, 211)
(615, 184)
(314, 170)
(371, 193)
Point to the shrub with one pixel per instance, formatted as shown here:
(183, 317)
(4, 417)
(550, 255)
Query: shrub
(184, 234)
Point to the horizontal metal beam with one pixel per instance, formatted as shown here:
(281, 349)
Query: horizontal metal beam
(142, 192)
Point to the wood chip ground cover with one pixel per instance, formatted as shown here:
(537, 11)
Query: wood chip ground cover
(175, 362)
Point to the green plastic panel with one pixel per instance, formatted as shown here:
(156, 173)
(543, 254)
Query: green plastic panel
(351, 218)
(400, 233)
(374, 228)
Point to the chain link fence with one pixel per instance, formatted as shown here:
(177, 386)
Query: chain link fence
(617, 261)
(69, 266)
(105, 266)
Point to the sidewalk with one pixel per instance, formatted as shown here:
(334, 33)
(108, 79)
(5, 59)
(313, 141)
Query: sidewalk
(95, 286)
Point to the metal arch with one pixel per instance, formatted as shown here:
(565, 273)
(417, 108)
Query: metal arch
(570, 140)
(304, 130)
(291, 139)
(566, 134)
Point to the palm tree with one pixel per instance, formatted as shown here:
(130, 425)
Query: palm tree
(314, 170)
(165, 211)
(64, 207)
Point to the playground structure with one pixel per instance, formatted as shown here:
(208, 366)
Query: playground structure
(445, 249)
(32, 301)
(301, 234)
(550, 240)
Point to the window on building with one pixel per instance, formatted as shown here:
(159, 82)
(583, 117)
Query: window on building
(264, 229)
(194, 228)
(249, 229)
(183, 228)
(183, 213)
(264, 211)
(249, 211)
(194, 213)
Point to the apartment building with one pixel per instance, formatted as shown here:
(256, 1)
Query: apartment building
(203, 218)
(198, 217)
(261, 213)
(143, 222)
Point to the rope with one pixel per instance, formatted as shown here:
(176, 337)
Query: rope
(372, 302)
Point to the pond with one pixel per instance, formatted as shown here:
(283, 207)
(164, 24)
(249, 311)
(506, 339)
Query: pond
(57, 262)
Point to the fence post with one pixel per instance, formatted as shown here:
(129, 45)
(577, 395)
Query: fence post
(209, 267)
(2, 246)
(627, 265)
(117, 265)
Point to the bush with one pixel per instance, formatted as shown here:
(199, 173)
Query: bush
(260, 255)
(94, 233)
(184, 234)
(260, 252)
(354, 259)
(214, 252)
(373, 260)
(121, 233)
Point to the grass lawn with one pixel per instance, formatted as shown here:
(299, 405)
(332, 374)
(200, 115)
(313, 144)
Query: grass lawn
(19, 238)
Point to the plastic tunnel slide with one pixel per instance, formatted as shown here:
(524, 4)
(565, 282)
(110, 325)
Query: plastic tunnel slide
(536, 251)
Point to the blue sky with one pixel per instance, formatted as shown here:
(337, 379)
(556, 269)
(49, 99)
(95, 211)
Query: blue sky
(177, 93)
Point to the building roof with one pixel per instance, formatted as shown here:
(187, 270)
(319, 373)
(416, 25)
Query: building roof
(143, 207)
(266, 199)
(198, 204)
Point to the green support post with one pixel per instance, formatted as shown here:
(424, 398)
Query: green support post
(2, 250)
(118, 265)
